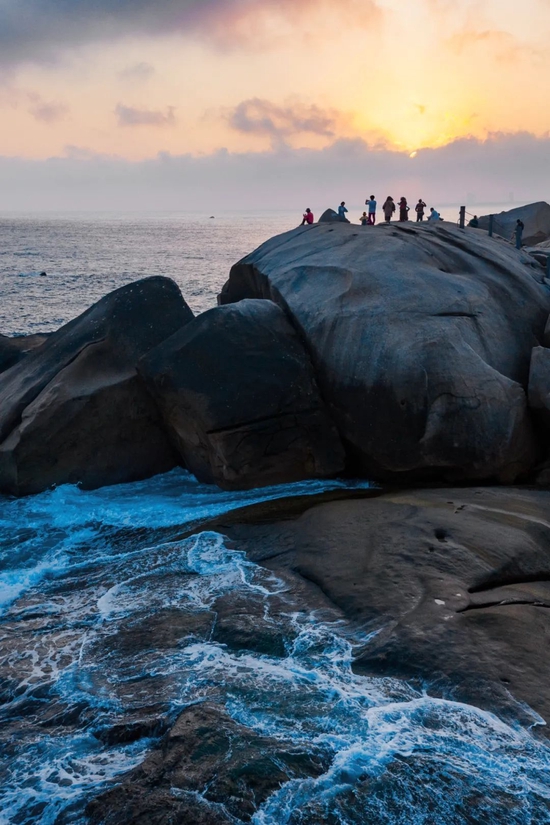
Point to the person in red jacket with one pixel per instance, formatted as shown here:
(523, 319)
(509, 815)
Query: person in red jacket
(308, 217)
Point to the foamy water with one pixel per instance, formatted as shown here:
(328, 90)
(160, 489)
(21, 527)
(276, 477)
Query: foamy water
(83, 570)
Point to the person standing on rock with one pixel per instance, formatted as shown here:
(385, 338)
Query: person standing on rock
(342, 211)
(388, 208)
(518, 232)
(419, 209)
(371, 203)
(308, 217)
(403, 210)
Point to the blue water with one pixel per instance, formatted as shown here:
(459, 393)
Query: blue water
(77, 569)
(87, 256)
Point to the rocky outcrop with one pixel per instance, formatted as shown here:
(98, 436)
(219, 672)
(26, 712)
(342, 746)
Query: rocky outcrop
(75, 410)
(239, 399)
(330, 216)
(420, 338)
(233, 769)
(13, 350)
(455, 582)
(535, 216)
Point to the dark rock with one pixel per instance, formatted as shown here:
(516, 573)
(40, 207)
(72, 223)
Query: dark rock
(455, 581)
(535, 216)
(330, 216)
(421, 342)
(539, 383)
(208, 770)
(75, 410)
(242, 624)
(13, 350)
(239, 398)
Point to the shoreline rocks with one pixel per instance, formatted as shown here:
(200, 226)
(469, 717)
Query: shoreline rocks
(75, 410)
(396, 353)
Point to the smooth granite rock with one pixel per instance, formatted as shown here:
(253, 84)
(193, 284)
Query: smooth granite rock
(14, 349)
(239, 399)
(421, 341)
(75, 410)
(535, 216)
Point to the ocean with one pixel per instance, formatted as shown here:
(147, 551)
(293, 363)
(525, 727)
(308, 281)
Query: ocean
(87, 255)
(82, 573)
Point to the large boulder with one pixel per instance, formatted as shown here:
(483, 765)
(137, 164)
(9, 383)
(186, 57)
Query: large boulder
(13, 350)
(420, 338)
(239, 398)
(75, 409)
(331, 216)
(535, 216)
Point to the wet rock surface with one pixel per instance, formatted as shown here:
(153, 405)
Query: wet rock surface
(208, 769)
(456, 583)
(301, 660)
(421, 340)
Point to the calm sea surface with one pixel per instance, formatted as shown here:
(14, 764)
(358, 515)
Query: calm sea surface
(86, 255)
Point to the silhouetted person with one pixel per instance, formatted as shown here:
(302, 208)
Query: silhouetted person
(308, 217)
(403, 210)
(474, 223)
(371, 203)
(419, 209)
(342, 211)
(388, 208)
(364, 219)
(518, 231)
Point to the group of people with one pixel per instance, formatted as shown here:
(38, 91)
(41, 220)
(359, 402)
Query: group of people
(389, 208)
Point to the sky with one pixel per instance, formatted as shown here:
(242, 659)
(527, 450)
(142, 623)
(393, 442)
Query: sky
(187, 104)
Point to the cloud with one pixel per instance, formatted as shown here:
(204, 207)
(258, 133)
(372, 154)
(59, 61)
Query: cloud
(504, 45)
(261, 117)
(129, 116)
(137, 73)
(282, 179)
(46, 111)
(40, 30)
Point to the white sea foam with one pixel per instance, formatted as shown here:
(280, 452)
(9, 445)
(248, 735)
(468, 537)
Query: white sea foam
(91, 578)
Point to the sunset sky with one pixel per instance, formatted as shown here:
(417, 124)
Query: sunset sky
(226, 91)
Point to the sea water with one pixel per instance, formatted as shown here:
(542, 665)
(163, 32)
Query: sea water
(78, 568)
(87, 255)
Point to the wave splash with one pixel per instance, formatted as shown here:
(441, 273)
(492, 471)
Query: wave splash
(105, 611)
